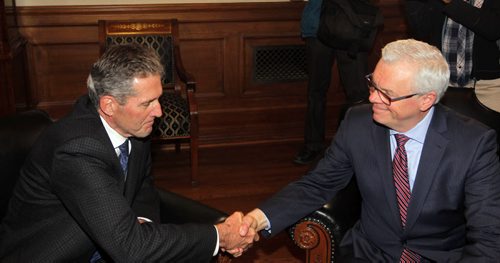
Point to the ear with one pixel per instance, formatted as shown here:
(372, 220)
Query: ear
(107, 104)
(427, 100)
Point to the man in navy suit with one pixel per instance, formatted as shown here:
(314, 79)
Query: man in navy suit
(451, 211)
(78, 194)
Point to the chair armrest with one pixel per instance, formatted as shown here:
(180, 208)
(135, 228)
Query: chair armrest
(189, 81)
(184, 76)
(320, 232)
(176, 209)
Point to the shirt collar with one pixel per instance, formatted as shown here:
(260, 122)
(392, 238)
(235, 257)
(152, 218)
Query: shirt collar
(116, 138)
(418, 132)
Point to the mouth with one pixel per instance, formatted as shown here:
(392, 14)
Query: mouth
(378, 108)
(149, 124)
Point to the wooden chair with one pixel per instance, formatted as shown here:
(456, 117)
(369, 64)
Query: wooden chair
(321, 232)
(179, 122)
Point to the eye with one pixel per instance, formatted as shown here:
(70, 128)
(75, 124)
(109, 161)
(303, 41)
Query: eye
(146, 104)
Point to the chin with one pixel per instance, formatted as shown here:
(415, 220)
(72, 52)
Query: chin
(379, 119)
(142, 134)
(376, 116)
(147, 132)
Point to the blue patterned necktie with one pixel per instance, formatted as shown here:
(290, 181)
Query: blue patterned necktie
(124, 157)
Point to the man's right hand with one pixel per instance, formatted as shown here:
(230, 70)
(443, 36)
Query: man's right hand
(230, 238)
(254, 221)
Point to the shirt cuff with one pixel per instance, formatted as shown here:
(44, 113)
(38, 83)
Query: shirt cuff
(268, 228)
(145, 219)
(216, 244)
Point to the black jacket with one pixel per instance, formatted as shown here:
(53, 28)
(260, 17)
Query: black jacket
(71, 199)
(426, 19)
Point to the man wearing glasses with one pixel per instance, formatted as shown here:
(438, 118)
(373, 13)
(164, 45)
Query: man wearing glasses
(429, 178)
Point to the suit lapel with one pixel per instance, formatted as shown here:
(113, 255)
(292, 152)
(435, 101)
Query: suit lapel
(132, 178)
(383, 155)
(432, 153)
(84, 107)
(112, 156)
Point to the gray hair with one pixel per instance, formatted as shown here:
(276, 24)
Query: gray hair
(115, 70)
(432, 70)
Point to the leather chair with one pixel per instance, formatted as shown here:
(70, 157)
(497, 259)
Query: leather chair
(17, 135)
(464, 101)
(320, 232)
(179, 122)
(20, 131)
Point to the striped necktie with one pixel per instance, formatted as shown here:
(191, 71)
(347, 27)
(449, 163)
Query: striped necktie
(403, 193)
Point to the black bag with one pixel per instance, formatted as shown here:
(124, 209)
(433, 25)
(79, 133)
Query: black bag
(349, 25)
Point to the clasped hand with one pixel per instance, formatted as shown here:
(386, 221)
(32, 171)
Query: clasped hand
(237, 234)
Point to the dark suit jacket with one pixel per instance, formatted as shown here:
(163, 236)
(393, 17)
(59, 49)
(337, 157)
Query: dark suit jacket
(71, 199)
(454, 212)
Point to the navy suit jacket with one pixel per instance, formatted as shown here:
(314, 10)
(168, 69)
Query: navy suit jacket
(454, 212)
(71, 199)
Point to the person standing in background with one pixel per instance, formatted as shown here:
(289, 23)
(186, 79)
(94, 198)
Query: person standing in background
(320, 59)
(468, 34)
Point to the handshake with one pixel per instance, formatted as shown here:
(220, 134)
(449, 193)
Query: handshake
(238, 232)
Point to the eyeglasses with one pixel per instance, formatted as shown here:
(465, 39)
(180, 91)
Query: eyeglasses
(382, 95)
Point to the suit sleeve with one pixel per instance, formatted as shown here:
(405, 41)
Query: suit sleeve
(82, 177)
(300, 198)
(147, 202)
(481, 21)
(482, 203)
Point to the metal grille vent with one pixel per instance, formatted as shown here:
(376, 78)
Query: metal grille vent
(279, 64)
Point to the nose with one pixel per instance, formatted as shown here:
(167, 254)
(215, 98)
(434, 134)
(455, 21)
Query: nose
(157, 111)
(374, 97)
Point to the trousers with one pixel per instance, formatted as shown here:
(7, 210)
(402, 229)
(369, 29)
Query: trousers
(352, 71)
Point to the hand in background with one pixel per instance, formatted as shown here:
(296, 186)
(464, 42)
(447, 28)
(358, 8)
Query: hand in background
(230, 238)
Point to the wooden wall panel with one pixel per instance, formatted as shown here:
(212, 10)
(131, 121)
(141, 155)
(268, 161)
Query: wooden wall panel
(12, 60)
(217, 42)
(205, 59)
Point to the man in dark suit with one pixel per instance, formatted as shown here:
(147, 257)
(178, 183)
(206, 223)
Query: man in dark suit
(433, 197)
(86, 185)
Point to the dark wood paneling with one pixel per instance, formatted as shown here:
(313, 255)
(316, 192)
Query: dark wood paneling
(206, 58)
(217, 42)
(12, 60)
